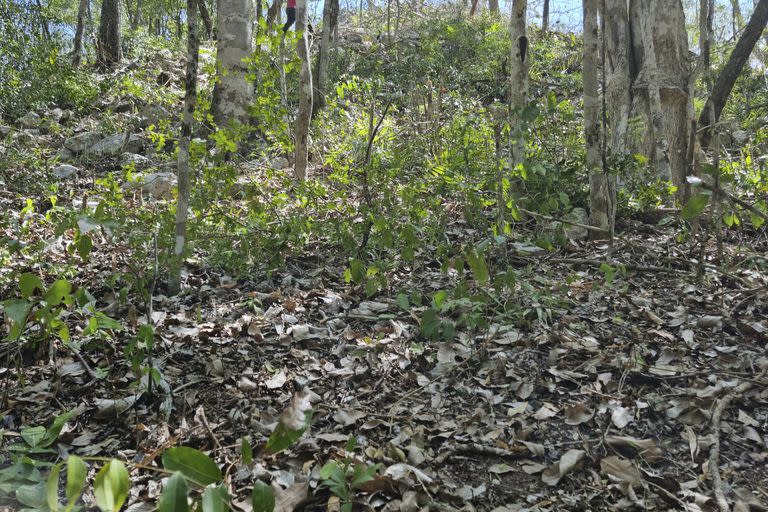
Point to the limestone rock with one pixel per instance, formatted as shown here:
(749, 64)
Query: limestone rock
(81, 142)
(5, 130)
(65, 171)
(135, 159)
(30, 120)
(581, 216)
(157, 184)
(740, 136)
(111, 145)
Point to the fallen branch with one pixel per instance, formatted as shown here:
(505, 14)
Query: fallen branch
(628, 266)
(479, 449)
(564, 221)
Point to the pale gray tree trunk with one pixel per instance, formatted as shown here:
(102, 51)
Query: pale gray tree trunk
(304, 115)
(493, 6)
(234, 43)
(518, 90)
(324, 54)
(599, 186)
(183, 178)
(618, 86)
(109, 49)
(77, 50)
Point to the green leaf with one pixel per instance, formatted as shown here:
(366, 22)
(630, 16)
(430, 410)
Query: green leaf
(58, 293)
(477, 264)
(216, 499)
(757, 221)
(263, 497)
(439, 298)
(17, 310)
(111, 486)
(193, 464)
(33, 436)
(55, 429)
(403, 302)
(246, 451)
(28, 283)
(84, 246)
(52, 488)
(283, 437)
(76, 473)
(174, 497)
(430, 323)
(363, 474)
(695, 206)
(33, 496)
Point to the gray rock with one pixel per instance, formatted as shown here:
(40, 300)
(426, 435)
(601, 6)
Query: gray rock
(65, 171)
(80, 143)
(133, 158)
(135, 144)
(55, 115)
(30, 120)
(65, 155)
(5, 130)
(109, 146)
(740, 136)
(159, 184)
(581, 216)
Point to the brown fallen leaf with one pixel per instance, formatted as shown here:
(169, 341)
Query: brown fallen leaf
(569, 461)
(622, 470)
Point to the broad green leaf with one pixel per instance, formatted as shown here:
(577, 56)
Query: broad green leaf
(105, 322)
(33, 436)
(430, 323)
(263, 497)
(76, 473)
(17, 310)
(402, 301)
(757, 221)
(216, 499)
(439, 298)
(111, 486)
(28, 283)
(55, 429)
(58, 293)
(695, 206)
(33, 496)
(363, 474)
(246, 451)
(84, 246)
(52, 488)
(477, 264)
(174, 497)
(193, 464)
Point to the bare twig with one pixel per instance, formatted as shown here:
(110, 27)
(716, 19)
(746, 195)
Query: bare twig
(564, 221)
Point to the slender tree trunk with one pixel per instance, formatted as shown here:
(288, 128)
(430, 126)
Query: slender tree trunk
(600, 208)
(727, 77)
(77, 51)
(493, 6)
(324, 54)
(136, 22)
(273, 13)
(206, 18)
(706, 14)
(738, 19)
(235, 42)
(304, 115)
(109, 49)
(518, 97)
(182, 200)
(545, 16)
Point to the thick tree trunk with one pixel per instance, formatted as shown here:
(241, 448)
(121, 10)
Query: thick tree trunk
(182, 200)
(518, 65)
(304, 115)
(493, 6)
(727, 77)
(545, 16)
(109, 49)
(324, 54)
(618, 70)
(77, 50)
(235, 43)
(599, 189)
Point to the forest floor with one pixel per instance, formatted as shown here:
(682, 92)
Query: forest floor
(626, 388)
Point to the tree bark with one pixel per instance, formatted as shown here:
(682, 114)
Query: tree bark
(77, 50)
(599, 189)
(109, 49)
(136, 22)
(737, 18)
(205, 15)
(618, 68)
(545, 16)
(304, 115)
(518, 96)
(324, 54)
(234, 43)
(182, 200)
(273, 13)
(727, 77)
(493, 6)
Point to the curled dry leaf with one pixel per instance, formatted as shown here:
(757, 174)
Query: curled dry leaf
(293, 417)
(621, 416)
(578, 414)
(568, 461)
(646, 448)
(277, 380)
(622, 470)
